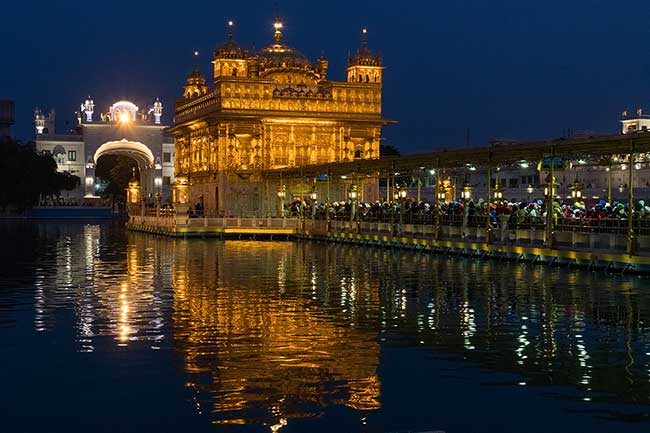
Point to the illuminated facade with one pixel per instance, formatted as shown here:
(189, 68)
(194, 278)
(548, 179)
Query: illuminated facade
(268, 110)
(124, 129)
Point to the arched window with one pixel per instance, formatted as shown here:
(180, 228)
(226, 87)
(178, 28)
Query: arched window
(360, 78)
(234, 72)
(357, 154)
(367, 78)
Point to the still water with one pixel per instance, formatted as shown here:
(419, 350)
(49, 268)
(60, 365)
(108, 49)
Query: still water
(104, 330)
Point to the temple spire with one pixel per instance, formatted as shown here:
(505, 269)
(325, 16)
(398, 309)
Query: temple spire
(196, 60)
(364, 38)
(230, 25)
(277, 36)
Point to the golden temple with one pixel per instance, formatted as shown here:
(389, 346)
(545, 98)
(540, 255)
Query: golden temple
(273, 109)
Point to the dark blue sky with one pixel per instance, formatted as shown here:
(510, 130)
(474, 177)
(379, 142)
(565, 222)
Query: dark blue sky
(503, 68)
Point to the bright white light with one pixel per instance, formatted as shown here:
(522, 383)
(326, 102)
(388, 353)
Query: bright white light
(89, 180)
(432, 172)
(523, 164)
(158, 181)
(124, 117)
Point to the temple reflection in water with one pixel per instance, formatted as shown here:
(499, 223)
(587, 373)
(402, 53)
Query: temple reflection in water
(268, 332)
(268, 351)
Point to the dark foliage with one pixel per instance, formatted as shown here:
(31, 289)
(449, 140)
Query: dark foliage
(388, 150)
(26, 176)
(118, 170)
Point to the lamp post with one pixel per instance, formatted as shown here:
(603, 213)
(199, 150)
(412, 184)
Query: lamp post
(401, 195)
(498, 194)
(282, 193)
(442, 194)
(552, 187)
(158, 198)
(550, 192)
(313, 196)
(436, 202)
(576, 190)
(630, 204)
(353, 195)
(609, 184)
(466, 196)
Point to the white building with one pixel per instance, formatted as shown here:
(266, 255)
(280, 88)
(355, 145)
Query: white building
(639, 123)
(123, 129)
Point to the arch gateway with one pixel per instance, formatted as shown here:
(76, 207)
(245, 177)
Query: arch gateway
(124, 129)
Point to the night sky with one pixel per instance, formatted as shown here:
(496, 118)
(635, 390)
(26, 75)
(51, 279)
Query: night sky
(503, 68)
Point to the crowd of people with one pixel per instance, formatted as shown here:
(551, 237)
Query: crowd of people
(471, 212)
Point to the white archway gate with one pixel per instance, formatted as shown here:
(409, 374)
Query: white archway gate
(134, 149)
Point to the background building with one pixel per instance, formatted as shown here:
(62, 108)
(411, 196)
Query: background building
(269, 110)
(124, 130)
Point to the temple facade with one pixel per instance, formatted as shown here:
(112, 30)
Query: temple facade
(273, 109)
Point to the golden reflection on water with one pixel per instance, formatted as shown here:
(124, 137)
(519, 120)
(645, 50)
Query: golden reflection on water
(269, 332)
(261, 347)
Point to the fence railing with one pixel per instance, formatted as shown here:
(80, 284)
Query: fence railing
(605, 234)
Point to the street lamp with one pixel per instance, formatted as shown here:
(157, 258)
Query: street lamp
(498, 194)
(550, 187)
(282, 193)
(466, 192)
(529, 190)
(313, 196)
(400, 196)
(353, 195)
(441, 193)
(576, 190)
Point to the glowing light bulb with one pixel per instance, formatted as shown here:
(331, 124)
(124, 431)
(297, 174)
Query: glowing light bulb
(124, 117)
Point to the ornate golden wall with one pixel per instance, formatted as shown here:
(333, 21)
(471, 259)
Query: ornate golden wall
(272, 110)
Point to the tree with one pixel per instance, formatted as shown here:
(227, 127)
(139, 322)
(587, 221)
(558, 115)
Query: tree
(118, 171)
(388, 150)
(25, 176)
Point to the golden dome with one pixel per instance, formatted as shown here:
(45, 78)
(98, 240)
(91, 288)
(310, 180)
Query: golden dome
(279, 55)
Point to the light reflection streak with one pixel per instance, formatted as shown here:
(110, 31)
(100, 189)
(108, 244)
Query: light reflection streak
(226, 327)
